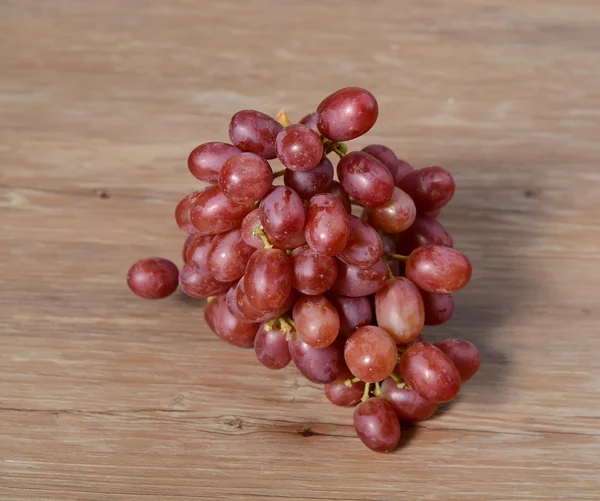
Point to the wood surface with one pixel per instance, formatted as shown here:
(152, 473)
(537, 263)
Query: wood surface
(104, 396)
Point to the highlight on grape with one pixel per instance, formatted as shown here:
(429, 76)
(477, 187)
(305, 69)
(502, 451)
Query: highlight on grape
(289, 271)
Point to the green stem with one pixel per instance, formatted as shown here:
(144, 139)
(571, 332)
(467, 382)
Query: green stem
(366, 393)
(279, 173)
(390, 272)
(399, 257)
(340, 149)
(259, 231)
(285, 325)
(377, 391)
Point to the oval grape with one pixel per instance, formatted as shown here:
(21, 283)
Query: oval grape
(229, 328)
(370, 354)
(309, 183)
(425, 230)
(354, 312)
(343, 395)
(197, 251)
(347, 114)
(327, 227)
(395, 215)
(365, 179)
(182, 212)
(364, 248)
(398, 168)
(338, 192)
(271, 348)
(228, 255)
(213, 212)
(353, 281)
(199, 283)
(268, 279)
(464, 355)
(377, 425)
(312, 273)
(255, 132)
(317, 321)
(282, 213)
(319, 365)
(299, 148)
(205, 161)
(430, 188)
(409, 406)
(438, 269)
(438, 307)
(153, 278)
(245, 178)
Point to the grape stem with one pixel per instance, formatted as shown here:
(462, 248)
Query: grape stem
(366, 393)
(399, 257)
(390, 272)
(282, 118)
(260, 232)
(358, 204)
(350, 382)
(286, 325)
(377, 391)
(340, 149)
(279, 173)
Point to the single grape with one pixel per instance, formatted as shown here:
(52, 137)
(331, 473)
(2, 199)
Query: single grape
(319, 365)
(182, 212)
(425, 230)
(398, 168)
(251, 314)
(231, 329)
(409, 406)
(327, 227)
(438, 307)
(317, 320)
(464, 355)
(309, 183)
(271, 348)
(430, 373)
(249, 224)
(213, 212)
(255, 132)
(197, 250)
(395, 215)
(370, 354)
(282, 213)
(399, 310)
(153, 278)
(198, 282)
(205, 161)
(299, 148)
(268, 279)
(438, 269)
(312, 273)
(338, 192)
(310, 121)
(289, 242)
(364, 248)
(365, 178)
(339, 393)
(228, 255)
(431, 188)
(245, 178)
(377, 425)
(353, 312)
(347, 114)
(389, 247)
(353, 281)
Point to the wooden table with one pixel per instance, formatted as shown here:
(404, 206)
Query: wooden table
(107, 397)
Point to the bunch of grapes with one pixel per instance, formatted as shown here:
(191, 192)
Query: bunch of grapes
(289, 271)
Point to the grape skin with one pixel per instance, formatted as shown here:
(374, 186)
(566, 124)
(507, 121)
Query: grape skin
(327, 227)
(205, 161)
(438, 269)
(338, 393)
(271, 348)
(430, 188)
(425, 230)
(365, 179)
(299, 148)
(245, 178)
(464, 355)
(409, 406)
(199, 283)
(153, 278)
(353, 281)
(228, 327)
(438, 307)
(377, 425)
(364, 247)
(319, 365)
(398, 168)
(282, 213)
(197, 251)
(255, 132)
(353, 312)
(317, 321)
(213, 212)
(347, 114)
(370, 354)
(338, 192)
(268, 279)
(182, 212)
(312, 273)
(228, 255)
(395, 215)
(312, 182)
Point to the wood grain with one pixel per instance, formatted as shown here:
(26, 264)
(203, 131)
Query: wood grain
(106, 397)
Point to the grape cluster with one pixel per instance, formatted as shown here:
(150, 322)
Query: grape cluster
(290, 271)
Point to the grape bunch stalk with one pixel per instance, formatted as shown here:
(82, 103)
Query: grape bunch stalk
(290, 271)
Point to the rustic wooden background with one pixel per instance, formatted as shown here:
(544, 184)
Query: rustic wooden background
(106, 397)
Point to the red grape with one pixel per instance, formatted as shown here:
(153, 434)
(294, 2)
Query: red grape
(251, 314)
(438, 269)
(353, 281)
(340, 394)
(230, 328)
(228, 255)
(434, 213)
(255, 132)
(399, 310)
(310, 121)
(425, 230)
(365, 178)
(213, 212)
(268, 279)
(245, 178)
(153, 278)
(317, 320)
(186, 245)
(398, 168)
(327, 228)
(289, 242)
(338, 192)
(299, 148)
(197, 251)
(347, 114)
(271, 348)
(319, 365)
(312, 272)
(282, 213)
(353, 312)
(182, 212)
(249, 224)
(395, 215)
(438, 307)
(430, 373)
(364, 247)
(198, 282)
(370, 354)
(309, 183)
(205, 161)
(409, 406)
(431, 188)
(464, 355)
(232, 304)
(377, 425)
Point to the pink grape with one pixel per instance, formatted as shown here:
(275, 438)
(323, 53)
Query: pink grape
(353, 281)
(317, 321)
(255, 132)
(289, 242)
(213, 212)
(299, 148)
(282, 213)
(230, 328)
(310, 121)
(377, 425)
(271, 348)
(338, 393)
(425, 230)
(430, 373)
(364, 248)
(431, 188)
(197, 251)
(409, 406)
(353, 312)
(395, 215)
(199, 283)
(312, 273)
(245, 178)
(182, 212)
(205, 161)
(153, 278)
(268, 279)
(228, 255)
(249, 224)
(438, 269)
(398, 168)
(327, 227)
(251, 314)
(338, 192)
(399, 310)
(464, 355)
(309, 183)
(438, 307)
(365, 179)
(370, 354)
(347, 114)
(319, 365)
